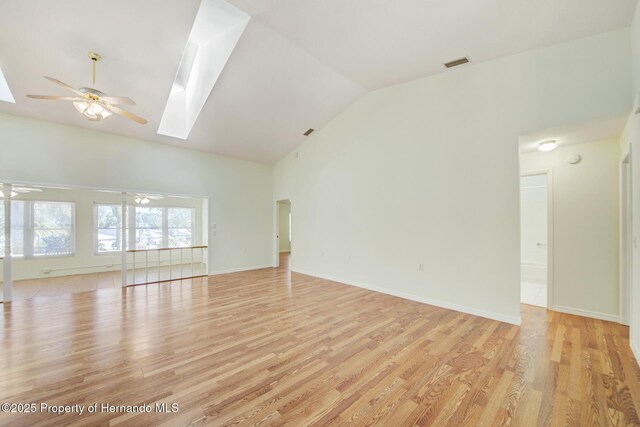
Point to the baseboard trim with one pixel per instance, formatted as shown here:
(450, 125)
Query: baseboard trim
(239, 270)
(586, 313)
(442, 304)
(635, 351)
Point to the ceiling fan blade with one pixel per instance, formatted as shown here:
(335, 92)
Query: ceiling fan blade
(56, 98)
(26, 189)
(64, 85)
(127, 114)
(118, 100)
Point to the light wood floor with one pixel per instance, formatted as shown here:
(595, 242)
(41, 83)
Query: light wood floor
(271, 347)
(62, 285)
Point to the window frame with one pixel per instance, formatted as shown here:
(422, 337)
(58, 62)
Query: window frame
(96, 228)
(28, 230)
(132, 227)
(166, 228)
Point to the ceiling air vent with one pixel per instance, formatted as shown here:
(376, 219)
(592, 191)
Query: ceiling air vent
(457, 62)
(308, 132)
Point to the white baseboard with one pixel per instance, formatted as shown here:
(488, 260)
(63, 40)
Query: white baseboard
(635, 351)
(586, 313)
(238, 270)
(443, 304)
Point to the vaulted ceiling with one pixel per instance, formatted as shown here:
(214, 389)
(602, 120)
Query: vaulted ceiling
(297, 65)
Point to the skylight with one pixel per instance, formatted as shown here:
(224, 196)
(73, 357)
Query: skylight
(215, 33)
(5, 92)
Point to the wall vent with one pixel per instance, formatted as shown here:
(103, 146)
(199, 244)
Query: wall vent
(457, 62)
(308, 132)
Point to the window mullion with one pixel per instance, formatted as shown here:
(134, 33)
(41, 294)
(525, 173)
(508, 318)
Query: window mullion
(131, 224)
(28, 235)
(165, 227)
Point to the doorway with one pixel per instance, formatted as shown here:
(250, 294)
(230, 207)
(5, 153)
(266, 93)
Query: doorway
(283, 234)
(626, 239)
(534, 239)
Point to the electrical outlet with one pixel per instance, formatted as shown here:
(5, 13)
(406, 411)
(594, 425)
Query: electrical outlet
(421, 267)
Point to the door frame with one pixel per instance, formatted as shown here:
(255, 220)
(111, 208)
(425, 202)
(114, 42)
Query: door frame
(550, 234)
(276, 246)
(626, 238)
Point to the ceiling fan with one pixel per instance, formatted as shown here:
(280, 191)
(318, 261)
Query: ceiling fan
(18, 190)
(92, 103)
(143, 199)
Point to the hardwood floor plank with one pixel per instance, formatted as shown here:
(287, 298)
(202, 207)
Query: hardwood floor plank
(271, 347)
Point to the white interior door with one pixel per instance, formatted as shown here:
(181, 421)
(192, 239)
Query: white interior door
(533, 239)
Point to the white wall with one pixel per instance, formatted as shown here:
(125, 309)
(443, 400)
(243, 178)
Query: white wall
(631, 142)
(85, 260)
(284, 209)
(533, 229)
(585, 226)
(410, 166)
(239, 192)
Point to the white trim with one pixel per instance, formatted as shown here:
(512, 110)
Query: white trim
(586, 313)
(533, 264)
(241, 269)
(635, 351)
(276, 234)
(626, 239)
(58, 185)
(442, 304)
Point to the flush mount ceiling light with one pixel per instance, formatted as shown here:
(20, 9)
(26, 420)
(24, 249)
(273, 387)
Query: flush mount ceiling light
(216, 30)
(547, 145)
(92, 103)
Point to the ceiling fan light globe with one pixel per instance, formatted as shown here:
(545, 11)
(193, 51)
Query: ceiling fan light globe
(90, 112)
(95, 109)
(105, 112)
(81, 106)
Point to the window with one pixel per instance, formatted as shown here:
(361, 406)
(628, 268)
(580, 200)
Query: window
(40, 228)
(108, 228)
(153, 227)
(17, 228)
(180, 227)
(149, 230)
(52, 228)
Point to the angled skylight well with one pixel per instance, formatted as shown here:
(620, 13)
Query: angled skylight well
(5, 92)
(216, 30)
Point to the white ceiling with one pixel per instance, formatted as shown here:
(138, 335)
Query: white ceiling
(298, 64)
(596, 130)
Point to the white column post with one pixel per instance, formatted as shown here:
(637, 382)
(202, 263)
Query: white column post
(7, 280)
(123, 230)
